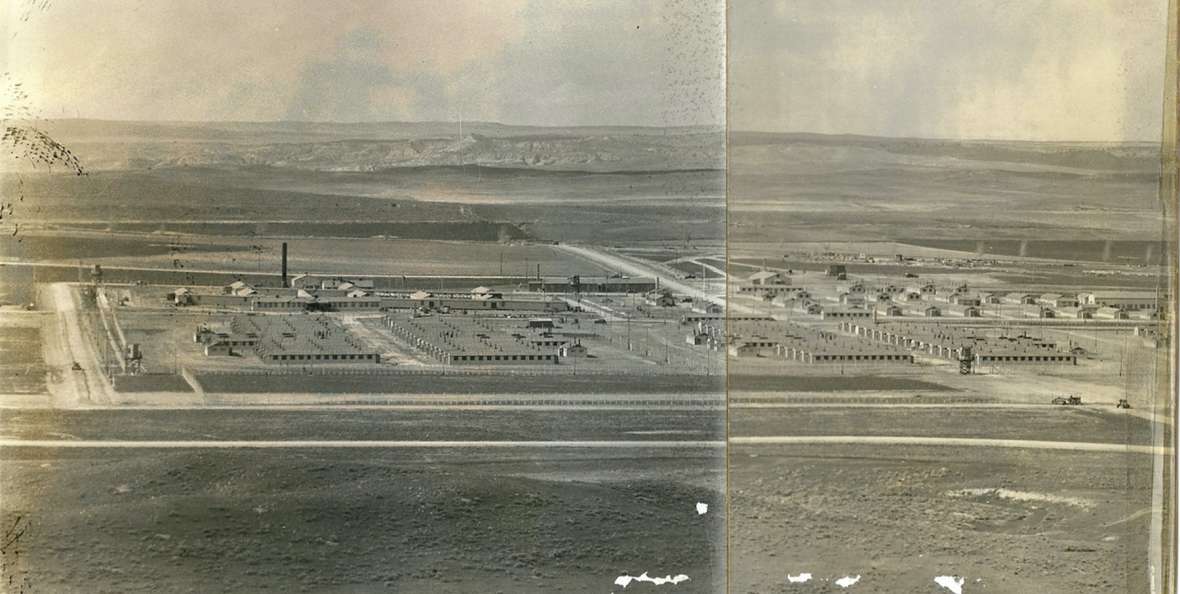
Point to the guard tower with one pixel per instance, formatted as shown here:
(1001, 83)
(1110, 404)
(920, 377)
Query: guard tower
(966, 361)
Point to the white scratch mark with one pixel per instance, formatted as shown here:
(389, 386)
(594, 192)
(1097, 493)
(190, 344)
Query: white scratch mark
(625, 580)
(1023, 496)
(702, 508)
(802, 578)
(847, 581)
(951, 583)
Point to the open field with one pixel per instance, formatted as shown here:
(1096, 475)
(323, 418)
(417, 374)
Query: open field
(22, 368)
(286, 149)
(372, 424)
(1046, 422)
(641, 206)
(806, 187)
(155, 382)
(358, 256)
(335, 521)
(778, 222)
(38, 246)
(107, 197)
(898, 516)
(475, 187)
(1139, 251)
(456, 230)
(658, 223)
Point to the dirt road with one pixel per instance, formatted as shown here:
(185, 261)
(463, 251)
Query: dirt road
(635, 268)
(64, 344)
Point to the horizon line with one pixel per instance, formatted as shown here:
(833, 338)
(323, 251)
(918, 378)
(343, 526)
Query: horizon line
(719, 127)
(941, 138)
(368, 122)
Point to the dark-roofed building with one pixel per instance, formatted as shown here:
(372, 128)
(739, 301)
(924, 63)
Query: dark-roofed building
(587, 284)
(768, 277)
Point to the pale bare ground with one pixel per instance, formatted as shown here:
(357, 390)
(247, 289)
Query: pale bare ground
(901, 515)
(64, 342)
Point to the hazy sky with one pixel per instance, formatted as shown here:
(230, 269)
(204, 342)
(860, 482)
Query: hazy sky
(1018, 69)
(556, 62)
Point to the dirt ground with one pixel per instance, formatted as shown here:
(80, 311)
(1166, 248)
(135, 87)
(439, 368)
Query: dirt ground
(297, 520)
(362, 424)
(22, 368)
(1042, 423)
(1005, 521)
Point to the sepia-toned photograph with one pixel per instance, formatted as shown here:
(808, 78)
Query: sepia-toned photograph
(362, 297)
(601, 296)
(949, 274)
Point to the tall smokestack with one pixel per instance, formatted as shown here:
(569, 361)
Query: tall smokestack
(284, 264)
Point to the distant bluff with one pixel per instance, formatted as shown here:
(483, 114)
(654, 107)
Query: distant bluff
(382, 146)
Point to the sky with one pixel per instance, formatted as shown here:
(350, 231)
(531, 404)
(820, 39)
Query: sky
(540, 62)
(1085, 70)
(1008, 69)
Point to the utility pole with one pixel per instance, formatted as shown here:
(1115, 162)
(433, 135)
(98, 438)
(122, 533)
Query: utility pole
(667, 346)
(628, 330)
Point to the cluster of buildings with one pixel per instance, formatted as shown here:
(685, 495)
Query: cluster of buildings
(357, 295)
(475, 341)
(958, 343)
(858, 342)
(802, 344)
(594, 284)
(865, 258)
(287, 324)
(286, 339)
(850, 300)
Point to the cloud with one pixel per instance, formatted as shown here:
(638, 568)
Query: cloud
(519, 61)
(1038, 69)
